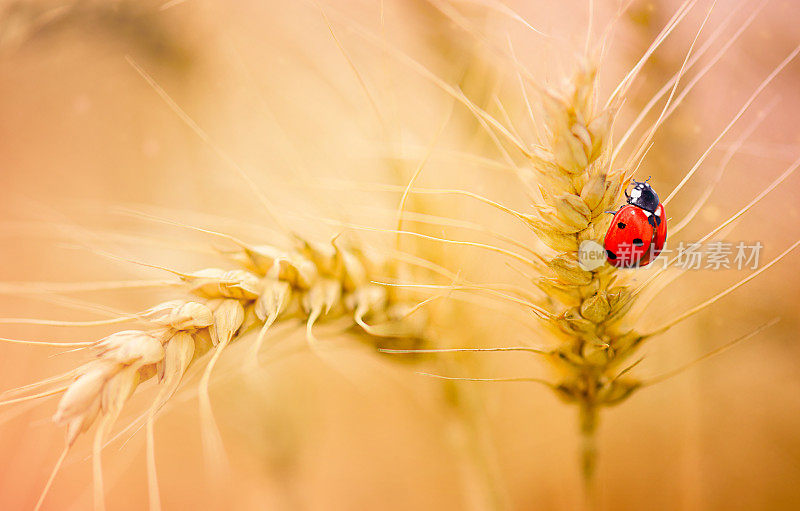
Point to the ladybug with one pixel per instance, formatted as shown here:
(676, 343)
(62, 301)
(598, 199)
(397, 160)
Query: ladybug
(639, 229)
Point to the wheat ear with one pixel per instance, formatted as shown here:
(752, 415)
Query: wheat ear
(314, 281)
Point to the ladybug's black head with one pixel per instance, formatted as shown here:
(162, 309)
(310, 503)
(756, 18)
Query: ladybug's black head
(643, 196)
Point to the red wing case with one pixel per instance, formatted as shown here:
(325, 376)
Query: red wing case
(659, 238)
(629, 237)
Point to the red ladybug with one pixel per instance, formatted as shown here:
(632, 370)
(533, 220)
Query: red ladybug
(639, 229)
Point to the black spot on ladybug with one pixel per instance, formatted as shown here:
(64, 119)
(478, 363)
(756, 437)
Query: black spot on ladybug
(638, 242)
(611, 255)
(621, 225)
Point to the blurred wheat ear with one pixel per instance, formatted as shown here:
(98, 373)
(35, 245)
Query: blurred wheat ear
(310, 282)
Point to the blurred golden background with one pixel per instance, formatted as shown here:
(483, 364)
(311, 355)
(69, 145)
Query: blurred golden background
(85, 142)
